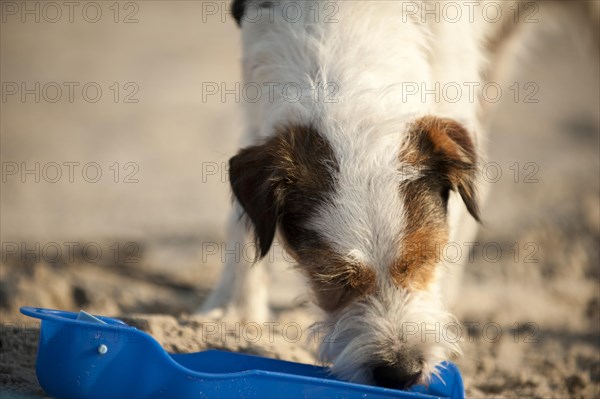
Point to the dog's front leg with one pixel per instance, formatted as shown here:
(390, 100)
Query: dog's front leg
(242, 291)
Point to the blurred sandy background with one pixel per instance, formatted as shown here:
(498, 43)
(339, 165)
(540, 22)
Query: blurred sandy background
(159, 222)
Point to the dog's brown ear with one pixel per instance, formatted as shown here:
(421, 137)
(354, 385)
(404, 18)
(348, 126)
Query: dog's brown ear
(252, 179)
(446, 150)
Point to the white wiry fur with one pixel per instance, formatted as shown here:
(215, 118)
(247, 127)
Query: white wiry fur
(364, 217)
(381, 327)
(368, 57)
(360, 66)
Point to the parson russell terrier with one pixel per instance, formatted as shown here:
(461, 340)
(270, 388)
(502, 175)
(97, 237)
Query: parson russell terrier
(361, 182)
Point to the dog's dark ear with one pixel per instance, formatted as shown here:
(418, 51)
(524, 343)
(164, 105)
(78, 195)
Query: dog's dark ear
(252, 179)
(446, 149)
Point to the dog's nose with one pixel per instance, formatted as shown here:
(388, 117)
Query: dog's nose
(401, 375)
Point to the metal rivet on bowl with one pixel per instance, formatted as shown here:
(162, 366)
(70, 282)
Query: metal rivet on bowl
(102, 349)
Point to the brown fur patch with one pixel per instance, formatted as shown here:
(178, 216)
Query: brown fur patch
(309, 166)
(442, 151)
(442, 137)
(281, 181)
(426, 233)
(306, 167)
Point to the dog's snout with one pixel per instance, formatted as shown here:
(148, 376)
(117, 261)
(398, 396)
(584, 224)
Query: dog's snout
(402, 374)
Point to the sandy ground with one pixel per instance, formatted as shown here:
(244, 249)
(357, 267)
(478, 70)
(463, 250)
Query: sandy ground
(531, 298)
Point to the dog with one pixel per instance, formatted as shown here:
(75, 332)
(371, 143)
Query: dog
(361, 182)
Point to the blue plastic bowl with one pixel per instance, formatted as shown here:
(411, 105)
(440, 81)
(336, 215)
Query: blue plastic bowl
(81, 358)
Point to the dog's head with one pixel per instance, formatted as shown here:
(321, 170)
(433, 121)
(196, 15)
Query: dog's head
(365, 216)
